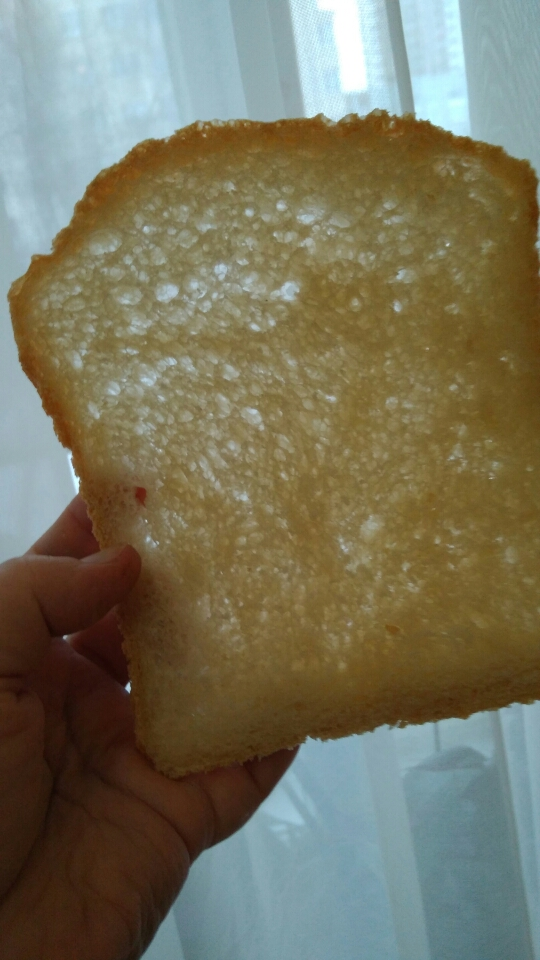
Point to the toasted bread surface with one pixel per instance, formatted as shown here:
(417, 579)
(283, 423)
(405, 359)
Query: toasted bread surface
(297, 365)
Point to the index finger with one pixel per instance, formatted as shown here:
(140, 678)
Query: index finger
(70, 536)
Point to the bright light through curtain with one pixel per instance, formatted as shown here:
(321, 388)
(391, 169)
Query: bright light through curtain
(419, 844)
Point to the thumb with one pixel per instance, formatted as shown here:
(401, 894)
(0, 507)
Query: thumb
(42, 597)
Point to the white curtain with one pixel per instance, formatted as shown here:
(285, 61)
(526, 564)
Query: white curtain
(417, 844)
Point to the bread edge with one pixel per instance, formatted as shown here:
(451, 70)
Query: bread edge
(490, 697)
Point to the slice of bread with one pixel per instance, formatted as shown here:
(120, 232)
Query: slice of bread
(298, 367)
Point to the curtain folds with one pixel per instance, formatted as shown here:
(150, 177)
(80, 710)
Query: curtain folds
(415, 844)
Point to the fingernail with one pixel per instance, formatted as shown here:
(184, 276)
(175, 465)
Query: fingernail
(104, 556)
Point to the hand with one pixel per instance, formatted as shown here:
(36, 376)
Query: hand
(94, 843)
